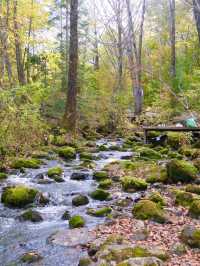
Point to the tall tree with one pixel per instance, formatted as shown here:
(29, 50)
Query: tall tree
(172, 22)
(18, 47)
(71, 103)
(135, 56)
(196, 10)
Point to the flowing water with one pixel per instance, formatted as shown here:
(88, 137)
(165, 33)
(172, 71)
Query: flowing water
(17, 238)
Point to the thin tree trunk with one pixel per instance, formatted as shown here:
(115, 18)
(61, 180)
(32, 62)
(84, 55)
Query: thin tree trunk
(67, 42)
(172, 37)
(18, 49)
(196, 10)
(119, 46)
(71, 103)
(96, 48)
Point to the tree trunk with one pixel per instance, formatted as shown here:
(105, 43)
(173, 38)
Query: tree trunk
(196, 10)
(18, 49)
(71, 103)
(172, 37)
(119, 46)
(135, 58)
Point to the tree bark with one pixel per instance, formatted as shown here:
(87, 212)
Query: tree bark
(119, 45)
(172, 37)
(71, 103)
(196, 10)
(18, 48)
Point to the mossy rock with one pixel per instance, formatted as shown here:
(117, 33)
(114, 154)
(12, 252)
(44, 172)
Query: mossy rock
(174, 155)
(88, 164)
(188, 152)
(103, 148)
(148, 153)
(181, 171)
(26, 163)
(85, 262)
(131, 184)
(66, 215)
(105, 184)
(76, 221)
(18, 196)
(176, 140)
(41, 155)
(80, 200)
(190, 235)
(147, 209)
(100, 194)
(145, 261)
(31, 257)
(157, 175)
(157, 198)
(183, 198)
(101, 175)
(194, 210)
(128, 165)
(86, 156)
(32, 216)
(193, 189)
(55, 171)
(67, 153)
(197, 164)
(3, 176)
(100, 212)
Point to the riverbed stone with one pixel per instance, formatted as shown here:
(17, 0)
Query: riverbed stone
(80, 200)
(55, 171)
(190, 235)
(99, 212)
(147, 209)
(147, 261)
(18, 196)
(67, 152)
(194, 209)
(105, 184)
(31, 215)
(66, 215)
(100, 175)
(79, 176)
(148, 153)
(76, 221)
(31, 257)
(131, 184)
(181, 171)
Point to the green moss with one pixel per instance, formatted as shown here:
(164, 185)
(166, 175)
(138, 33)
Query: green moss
(128, 165)
(157, 175)
(175, 140)
(3, 176)
(146, 209)
(181, 171)
(26, 163)
(188, 151)
(86, 156)
(103, 148)
(30, 257)
(80, 200)
(184, 198)
(100, 212)
(191, 236)
(18, 196)
(55, 171)
(157, 198)
(67, 153)
(131, 184)
(76, 221)
(197, 164)
(100, 194)
(32, 216)
(105, 184)
(101, 175)
(193, 189)
(85, 262)
(195, 209)
(148, 153)
(174, 155)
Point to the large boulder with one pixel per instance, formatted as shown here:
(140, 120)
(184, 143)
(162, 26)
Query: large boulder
(67, 153)
(181, 171)
(147, 209)
(190, 235)
(131, 184)
(149, 154)
(80, 200)
(76, 221)
(18, 196)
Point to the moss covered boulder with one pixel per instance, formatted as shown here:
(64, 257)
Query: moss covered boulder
(26, 163)
(18, 196)
(100, 194)
(76, 221)
(87, 156)
(146, 261)
(80, 200)
(32, 216)
(3, 176)
(67, 153)
(85, 262)
(147, 209)
(31, 257)
(100, 212)
(66, 215)
(101, 175)
(131, 184)
(190, 235)
(181, 171)
(183, 198)
(176, 140)
(148, 153)
(55, 171)
(193, 189)
(194, 210)
(157, 198)
(105, 184)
